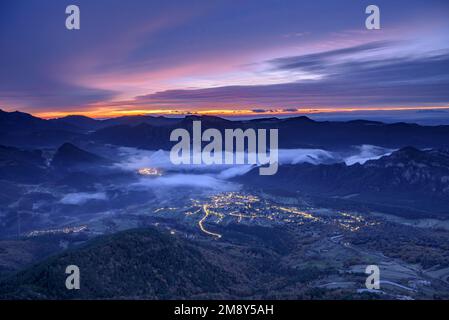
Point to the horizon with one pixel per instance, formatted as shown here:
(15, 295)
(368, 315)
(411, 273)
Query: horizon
(430, 117)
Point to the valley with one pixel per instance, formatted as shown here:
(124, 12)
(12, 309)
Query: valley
(307, 232)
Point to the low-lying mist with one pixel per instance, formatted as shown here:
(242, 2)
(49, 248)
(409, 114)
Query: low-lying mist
(216, 176)
(134, 159)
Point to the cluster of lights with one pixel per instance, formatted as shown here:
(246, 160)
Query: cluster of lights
(241, 206)
(65, 230)
(149, 172)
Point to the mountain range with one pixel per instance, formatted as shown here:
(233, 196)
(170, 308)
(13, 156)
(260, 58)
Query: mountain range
(25, 130)
(408, 182)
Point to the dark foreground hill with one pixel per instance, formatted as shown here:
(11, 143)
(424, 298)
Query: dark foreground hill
(21, 165)
(132, 264)
(149, 264)
(409, 182)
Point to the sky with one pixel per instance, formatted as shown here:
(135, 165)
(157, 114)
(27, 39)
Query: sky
(223, 57)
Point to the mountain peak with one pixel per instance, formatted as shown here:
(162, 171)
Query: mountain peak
(16, 114)
(203, 117)
(68, 147)
(409, 150)
(299, 119)
(75, 116)
(264, 120)
(69, 155)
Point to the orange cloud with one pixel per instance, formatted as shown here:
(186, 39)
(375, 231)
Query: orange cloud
(109, 113)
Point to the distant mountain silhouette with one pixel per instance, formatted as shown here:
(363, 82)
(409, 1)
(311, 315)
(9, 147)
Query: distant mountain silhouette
(408, 178)
(82, 123)
(88, 124)
(293, 132)
(21, 129)
(136, 120)
(24, 130)
(298, 132)
(24, 122)
(12, 121)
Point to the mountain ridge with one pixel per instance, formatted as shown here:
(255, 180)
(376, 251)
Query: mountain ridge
(294, 132)
(408, 178)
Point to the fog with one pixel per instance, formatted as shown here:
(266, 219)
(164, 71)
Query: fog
(187, 180)
(366, 153)
(133, 159)
(216, 177)
(82, 197)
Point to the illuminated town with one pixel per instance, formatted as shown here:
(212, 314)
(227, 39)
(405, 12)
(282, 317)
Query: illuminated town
(246, 208)
(65, 230)
(149, 172)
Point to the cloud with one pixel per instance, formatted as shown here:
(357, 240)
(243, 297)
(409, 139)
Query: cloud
(158, 46)
(344, 77)
(211, 175)
(367, 152)
(53, 94)
(137, 158)
(213, 178)
(313, 156)
(319, 62)
(55, 69)
(133, 159)
(358, 154)
(234, 171)
(82, 197)
(203, 181)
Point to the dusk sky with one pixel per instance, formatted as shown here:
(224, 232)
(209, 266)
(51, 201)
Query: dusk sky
(222, 57)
